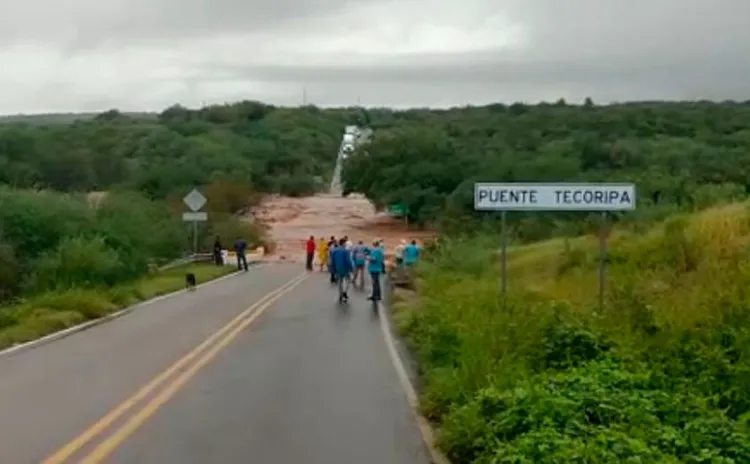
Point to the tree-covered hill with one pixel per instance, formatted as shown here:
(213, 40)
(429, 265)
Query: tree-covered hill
(681, 155)
(272, 149)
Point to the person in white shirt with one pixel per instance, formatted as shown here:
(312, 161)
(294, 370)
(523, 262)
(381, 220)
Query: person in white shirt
(400, 253)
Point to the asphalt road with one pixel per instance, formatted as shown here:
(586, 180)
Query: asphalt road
(300, 379)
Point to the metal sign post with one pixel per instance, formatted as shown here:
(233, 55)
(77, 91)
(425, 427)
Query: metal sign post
(603, 198)
(603, 235)
(195, 201)
(503, 258)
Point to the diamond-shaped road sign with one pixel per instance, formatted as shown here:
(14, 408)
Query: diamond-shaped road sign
(194, 200)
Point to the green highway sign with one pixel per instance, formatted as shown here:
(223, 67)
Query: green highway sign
(398, 209)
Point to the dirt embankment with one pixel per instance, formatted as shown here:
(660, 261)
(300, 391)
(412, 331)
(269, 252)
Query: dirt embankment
(291, 221)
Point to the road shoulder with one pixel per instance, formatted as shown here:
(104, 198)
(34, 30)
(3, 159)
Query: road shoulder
(60, 334)
(407, 367)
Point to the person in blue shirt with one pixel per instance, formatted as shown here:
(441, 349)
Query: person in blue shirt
(240, 247)
(411, 253)
(376, 268)
(332, 245)
(359, 258)
(341, 262)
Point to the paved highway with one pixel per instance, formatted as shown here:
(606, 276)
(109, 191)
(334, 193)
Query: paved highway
(263, 367)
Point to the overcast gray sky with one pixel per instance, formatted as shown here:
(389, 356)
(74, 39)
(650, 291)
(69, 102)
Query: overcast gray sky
(83, 55)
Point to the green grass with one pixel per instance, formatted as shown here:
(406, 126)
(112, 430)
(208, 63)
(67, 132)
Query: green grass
(660, 375)
(43, 314)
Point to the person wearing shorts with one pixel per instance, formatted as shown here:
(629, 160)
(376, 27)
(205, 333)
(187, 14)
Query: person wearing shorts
(359, 258)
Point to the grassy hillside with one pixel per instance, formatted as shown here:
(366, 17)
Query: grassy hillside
(660, 375)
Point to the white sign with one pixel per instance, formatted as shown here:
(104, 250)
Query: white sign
(194, 200)
(553, 197)
(199, 216)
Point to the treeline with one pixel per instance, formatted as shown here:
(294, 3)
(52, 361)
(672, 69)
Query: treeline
(682, 156)
(285, 150)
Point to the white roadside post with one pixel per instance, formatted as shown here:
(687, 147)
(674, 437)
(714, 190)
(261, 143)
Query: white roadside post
(604, 197)
(195, 201)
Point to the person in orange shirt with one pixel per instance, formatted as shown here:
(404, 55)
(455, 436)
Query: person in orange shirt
(323, 254)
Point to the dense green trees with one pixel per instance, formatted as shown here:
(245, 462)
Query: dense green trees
(681, 156)
(50, 240)
(271, 149)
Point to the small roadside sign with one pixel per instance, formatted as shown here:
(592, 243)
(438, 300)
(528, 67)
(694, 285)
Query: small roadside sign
(601, 197)
(194, 200)
(195, 216)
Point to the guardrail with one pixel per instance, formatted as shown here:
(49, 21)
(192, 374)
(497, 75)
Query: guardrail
(230, 258)
(194, 258)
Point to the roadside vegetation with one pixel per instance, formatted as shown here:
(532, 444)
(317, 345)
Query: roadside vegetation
(64, 260)
(661, 374)
(44, 313)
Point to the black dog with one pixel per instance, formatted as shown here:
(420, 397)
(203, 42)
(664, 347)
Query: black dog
(190, 281)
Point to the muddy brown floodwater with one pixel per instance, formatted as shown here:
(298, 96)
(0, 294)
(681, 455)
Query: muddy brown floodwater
(292, 220)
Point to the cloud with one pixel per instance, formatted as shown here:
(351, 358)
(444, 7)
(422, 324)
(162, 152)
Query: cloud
(133, 54)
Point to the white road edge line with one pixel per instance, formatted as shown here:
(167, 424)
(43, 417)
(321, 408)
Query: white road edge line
(425, 428)
(54, 336)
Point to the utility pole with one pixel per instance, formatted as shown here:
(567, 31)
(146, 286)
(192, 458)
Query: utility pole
(304, 96)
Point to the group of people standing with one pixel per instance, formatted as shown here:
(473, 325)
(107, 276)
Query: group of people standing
(346, 263)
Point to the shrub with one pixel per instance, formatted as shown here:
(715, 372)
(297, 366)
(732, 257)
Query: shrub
(50, 240)
(35, 221)
(140, 230)
(79, 262)
(10, 271)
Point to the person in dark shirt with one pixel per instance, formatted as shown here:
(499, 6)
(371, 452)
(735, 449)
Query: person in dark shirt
(240, 247)
(218, 258)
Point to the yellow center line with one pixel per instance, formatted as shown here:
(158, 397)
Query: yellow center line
(92, 431)
(106, 447)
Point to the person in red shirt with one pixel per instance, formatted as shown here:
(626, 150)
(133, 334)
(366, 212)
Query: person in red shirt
(310, 249)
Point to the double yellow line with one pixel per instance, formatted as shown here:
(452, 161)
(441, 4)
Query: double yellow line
(191, 363)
